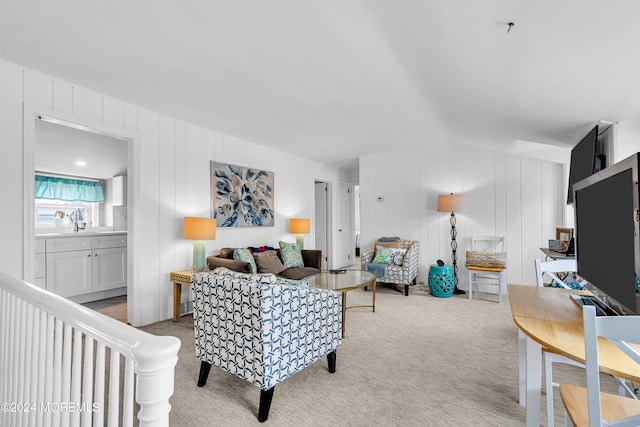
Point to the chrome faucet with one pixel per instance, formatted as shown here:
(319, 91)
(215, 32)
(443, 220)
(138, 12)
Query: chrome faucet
(75, 216)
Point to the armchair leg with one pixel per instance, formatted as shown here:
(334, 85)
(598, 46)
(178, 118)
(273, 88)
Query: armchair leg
(406, 290)
(265, 404)
(205, 367)
(331, 360)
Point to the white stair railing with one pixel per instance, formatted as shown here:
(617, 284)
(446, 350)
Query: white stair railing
(60, 364)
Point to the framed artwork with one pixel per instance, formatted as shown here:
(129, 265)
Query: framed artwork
(564, 234)
(241, 196)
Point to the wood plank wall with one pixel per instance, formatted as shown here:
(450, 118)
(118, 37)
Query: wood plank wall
(169, 174)
(518, 197)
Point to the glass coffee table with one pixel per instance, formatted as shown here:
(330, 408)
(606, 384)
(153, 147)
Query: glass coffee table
(344, 282)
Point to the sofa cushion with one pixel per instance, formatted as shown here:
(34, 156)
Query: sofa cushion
(216, 261)
(388, 256)
(242, 254)
(268, 262)
(291, 255)
(226, 253)
(299, 272)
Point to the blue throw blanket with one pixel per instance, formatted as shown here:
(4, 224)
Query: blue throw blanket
(376, 268)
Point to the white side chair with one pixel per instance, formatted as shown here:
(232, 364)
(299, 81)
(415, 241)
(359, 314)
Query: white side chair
(484, 273)
(552, 269)
(590, 406)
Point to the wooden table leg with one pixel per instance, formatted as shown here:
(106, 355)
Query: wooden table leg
(177, 297)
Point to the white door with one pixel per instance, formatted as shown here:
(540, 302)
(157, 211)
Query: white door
(346, 236)
(321, 220)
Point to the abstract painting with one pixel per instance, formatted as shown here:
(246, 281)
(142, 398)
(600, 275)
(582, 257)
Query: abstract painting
(240, 196)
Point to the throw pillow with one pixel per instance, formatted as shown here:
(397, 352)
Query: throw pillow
(268, 262)
(245, 255)
(396, 244)
(486, 259)
(389, 256)
(389, 239)
(291, 255)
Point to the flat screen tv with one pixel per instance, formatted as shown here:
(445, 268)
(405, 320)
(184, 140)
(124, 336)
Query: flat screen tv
(607, 236)
(583, 160)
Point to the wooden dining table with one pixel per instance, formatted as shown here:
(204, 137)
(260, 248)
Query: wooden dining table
(548, 317)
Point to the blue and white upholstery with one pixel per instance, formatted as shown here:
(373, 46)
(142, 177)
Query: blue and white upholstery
(404, 274)
(260, 330)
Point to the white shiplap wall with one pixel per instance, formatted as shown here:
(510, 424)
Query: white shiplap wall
(168, 179)
(518, 197)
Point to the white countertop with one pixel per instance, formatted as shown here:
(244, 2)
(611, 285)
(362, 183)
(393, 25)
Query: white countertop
(81, 233)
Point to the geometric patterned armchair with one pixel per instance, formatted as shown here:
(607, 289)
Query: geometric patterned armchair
(261, 329)
(403, 274)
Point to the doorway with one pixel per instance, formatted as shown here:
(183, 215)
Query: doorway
(50, 143)
(322, 221)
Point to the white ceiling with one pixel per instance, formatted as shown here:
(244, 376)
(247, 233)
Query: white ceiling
(333, 79)
(57, 149)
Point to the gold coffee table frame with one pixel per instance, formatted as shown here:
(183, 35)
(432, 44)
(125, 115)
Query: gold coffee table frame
(343, 283)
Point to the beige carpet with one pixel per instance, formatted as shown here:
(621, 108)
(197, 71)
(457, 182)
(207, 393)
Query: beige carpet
(416, 361)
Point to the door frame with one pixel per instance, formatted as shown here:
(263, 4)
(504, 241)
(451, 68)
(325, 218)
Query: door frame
(329, 214)
(31, 114)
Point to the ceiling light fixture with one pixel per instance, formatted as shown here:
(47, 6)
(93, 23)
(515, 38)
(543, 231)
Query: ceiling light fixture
(81, 163)
(510, 24)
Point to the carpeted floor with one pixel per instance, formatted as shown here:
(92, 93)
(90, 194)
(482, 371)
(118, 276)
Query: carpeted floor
(416, 361)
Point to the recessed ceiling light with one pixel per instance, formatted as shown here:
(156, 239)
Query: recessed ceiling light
(81, 163)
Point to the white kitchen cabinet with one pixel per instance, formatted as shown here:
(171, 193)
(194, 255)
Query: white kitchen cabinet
(69, 273)
(119, 184)
(86, 268)
(109, 269)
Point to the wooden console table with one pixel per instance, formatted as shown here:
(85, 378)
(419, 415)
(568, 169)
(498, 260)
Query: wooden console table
(179, 278)
(547, 317)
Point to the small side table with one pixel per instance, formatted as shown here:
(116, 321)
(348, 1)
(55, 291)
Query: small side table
(441, 282)
(179, 278)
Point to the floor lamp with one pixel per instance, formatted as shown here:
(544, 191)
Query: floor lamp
(452, 203)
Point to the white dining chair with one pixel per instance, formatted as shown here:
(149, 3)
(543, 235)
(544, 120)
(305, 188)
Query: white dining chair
(589, 406)
(553, 269)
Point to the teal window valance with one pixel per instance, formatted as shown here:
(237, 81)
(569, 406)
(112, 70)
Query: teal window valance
(71, 190)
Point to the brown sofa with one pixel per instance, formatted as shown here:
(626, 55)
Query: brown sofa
(312, 264)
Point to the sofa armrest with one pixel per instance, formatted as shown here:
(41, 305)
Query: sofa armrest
(215, 261)
(312, 258)
(411, 259)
